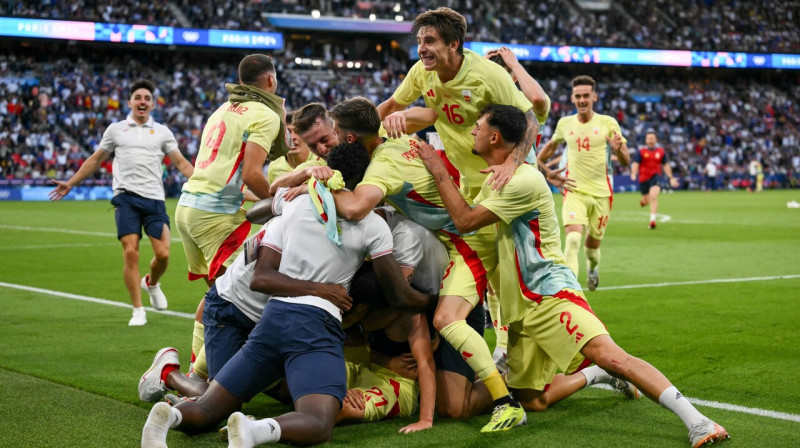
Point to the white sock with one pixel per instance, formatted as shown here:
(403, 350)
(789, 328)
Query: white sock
(652, 216)
(266, 430)
(138, 310)
(596, 375)
(162, 418)
(673, 400)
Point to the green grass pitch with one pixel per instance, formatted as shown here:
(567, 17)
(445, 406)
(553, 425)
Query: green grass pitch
(719, 321)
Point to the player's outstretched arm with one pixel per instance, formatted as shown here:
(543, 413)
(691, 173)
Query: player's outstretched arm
(408, 121)
(397, 290)
(530, 87)
(620, 149)
(465, 218)
(266, 279)
(419, 338)
(180, 162)
(355, 205)
(388, 107)
(89, 166)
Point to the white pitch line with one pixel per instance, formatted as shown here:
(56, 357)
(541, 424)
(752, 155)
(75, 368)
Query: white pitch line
(732, 407)
(700, 282)
(713, 404)
(67, 295)
(73, 232)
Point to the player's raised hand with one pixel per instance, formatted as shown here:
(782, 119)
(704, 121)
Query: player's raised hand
(415, 427)
(395, 124)
(355, 399)
(504, 52)
(501, 174)
(615, 142)
(336, 294)
(673, 182)
(62, 189)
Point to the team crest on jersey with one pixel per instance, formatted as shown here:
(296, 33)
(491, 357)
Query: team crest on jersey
(596, 131)
(152, 131)
(571, 133)
(571, 215)
(646, 155)
(467, 95)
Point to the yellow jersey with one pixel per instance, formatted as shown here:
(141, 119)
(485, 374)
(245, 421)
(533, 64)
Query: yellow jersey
(458, 103)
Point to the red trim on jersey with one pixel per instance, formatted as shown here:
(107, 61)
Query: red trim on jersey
(228, 247)
(522, 286)
(473, 263)
(416, 197)
(237, 163)
(611, 192)
(193, 276)
(534, 226)
(574, 298)
(396, 408)
(451, 169)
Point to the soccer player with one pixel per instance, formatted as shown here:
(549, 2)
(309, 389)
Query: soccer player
(236, 141)
(647, 165)
(588, 136)
(756, 175)
(397, 175)
(140, 145)
(551, 325)
(456, 83)
(296, 156)
(314, 129)
(298, 334)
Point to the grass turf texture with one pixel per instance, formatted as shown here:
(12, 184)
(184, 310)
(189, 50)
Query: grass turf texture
(69, 369)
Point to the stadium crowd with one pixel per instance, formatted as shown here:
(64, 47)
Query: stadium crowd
(53, 114)
(686, 24)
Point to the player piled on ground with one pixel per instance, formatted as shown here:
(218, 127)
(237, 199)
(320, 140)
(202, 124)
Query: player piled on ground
(551, 325)
(236, 141)
(588, 136)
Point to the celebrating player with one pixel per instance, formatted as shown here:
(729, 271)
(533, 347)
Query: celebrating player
(588, 203)
(551, 325)
(140, 145)
(647, 165)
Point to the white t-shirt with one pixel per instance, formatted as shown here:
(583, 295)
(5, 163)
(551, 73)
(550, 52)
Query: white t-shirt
(139, 150)
(308, 254)
(711, 169)
(234, 285)
(418, 248)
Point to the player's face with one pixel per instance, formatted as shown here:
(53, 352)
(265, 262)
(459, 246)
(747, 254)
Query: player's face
(320, 138)
(432, 50)
(482, 134)
(141, 103)
(299, 146)
(650, 140)
(583, 97)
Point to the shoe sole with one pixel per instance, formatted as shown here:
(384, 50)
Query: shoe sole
(713, 438)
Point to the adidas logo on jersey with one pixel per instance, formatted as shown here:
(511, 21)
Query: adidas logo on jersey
(430, 93)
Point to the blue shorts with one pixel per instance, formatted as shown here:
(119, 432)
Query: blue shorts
(226, 330)
(133, 212)
(302, 343)
(448, 358)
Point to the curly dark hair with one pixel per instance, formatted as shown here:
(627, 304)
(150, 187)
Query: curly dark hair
(143, 84)
(351, 159)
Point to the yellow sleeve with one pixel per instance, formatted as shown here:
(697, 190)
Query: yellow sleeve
(513, 200)
(409, 90)
(558, 134)
(613, 126)
(502, 90)
(383, 174)
(263, 132)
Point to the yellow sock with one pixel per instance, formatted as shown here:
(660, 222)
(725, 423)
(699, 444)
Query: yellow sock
(475, 351)
(200, 367)
(572, 244)
(592, 258)
(198, 337)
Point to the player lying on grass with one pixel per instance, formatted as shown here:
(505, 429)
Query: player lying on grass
(306, 269)
(551, 325)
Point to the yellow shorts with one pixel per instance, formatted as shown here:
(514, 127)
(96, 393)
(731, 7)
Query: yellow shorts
(210, 240)
(386, 394)
(549, 338)
(585, 210)
(473, 260)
